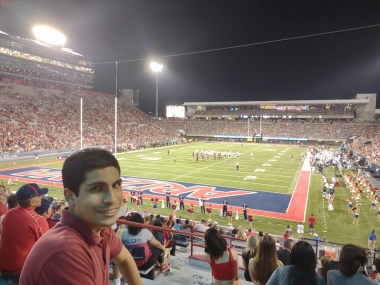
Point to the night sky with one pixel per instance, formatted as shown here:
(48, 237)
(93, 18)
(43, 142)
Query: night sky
(334, 66)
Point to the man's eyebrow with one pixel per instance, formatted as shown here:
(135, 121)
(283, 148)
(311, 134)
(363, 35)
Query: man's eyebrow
(103, 183)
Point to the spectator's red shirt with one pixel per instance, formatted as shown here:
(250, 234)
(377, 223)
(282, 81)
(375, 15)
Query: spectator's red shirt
(22, 227)
(311, 220)
(71, 254)
(3, 209)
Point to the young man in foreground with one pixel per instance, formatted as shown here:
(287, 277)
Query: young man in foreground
(79, 248)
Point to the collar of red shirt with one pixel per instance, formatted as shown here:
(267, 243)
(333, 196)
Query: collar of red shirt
(73, 222)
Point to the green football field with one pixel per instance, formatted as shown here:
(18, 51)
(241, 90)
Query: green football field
(270, 170)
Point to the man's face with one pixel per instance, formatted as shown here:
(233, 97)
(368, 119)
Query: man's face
(36, 202)
(99, 200)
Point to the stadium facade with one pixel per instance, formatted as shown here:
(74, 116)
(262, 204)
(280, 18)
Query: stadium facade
(30, 62)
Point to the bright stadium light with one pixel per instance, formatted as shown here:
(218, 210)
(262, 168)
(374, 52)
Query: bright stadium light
(49, 35)
(156, 67)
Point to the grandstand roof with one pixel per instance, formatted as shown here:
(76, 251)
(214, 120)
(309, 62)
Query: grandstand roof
(35, 43)
(283, 102)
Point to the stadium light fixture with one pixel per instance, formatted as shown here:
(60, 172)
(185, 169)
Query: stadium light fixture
(49, 35)
(156, 67)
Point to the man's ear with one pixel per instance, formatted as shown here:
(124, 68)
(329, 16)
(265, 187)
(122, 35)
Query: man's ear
(69, 196)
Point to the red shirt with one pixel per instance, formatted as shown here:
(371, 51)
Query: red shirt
(209, 210)
(3, 209)
(229, 213)
(190, 210)
(224, 271)
(22, 227)
(71, 254)
(311, 220)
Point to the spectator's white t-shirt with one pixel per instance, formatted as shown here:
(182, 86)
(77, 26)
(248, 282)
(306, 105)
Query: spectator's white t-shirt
(144, 236)
(201, 227)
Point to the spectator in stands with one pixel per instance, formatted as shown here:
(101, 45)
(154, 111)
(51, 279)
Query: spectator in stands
(240, 234)
(164, 238)
(230, 233)
(12, 201)
(224, 262)
(3, 206)
(301, 269)
(187, 226)
(284, 254)
(178, 225)
(352, 261)
(248, 253)
(265, 262)
(322, 271)
(80, 247)
(46, 211)
(22, 227)
(138, 235)
(202, 226)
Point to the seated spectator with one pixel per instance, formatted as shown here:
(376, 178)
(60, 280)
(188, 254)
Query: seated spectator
(260, 236)
(265, 262)
(224, 262)
(322, 271)
(164, 238)
(202, 226)
(284, 254)
(136, 235)
(45, 210)
(352, 261)
(12, 201)
(187, 226)
(278, 244)
(249, 232)
(177, 225)
(15, 248)
(248, 253)
(240, 234)
(230, 233)
(301, 268)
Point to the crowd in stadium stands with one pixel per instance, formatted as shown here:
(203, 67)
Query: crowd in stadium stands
(43, 74)
(41, 119)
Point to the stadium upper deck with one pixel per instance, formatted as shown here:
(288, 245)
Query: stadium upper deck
(361, 108)
(38, 64)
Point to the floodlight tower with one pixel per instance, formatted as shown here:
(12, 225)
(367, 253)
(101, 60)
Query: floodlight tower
(49, 35)
(156, 67)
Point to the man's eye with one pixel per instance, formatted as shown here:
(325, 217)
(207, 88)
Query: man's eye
(95, 189)
(117, 184)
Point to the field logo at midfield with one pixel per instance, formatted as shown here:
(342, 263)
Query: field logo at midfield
(176, 189)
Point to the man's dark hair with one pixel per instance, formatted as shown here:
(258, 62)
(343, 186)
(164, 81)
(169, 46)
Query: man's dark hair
(187, 222)
(77, 165)
(178, 221)
(351, 258)
(137, 218)
(12, 201)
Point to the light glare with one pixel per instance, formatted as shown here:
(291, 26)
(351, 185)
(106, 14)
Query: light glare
(156, 67)
(49, 35)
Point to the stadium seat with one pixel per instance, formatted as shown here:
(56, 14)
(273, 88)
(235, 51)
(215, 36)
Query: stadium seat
(140, 254)
(182, 242)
